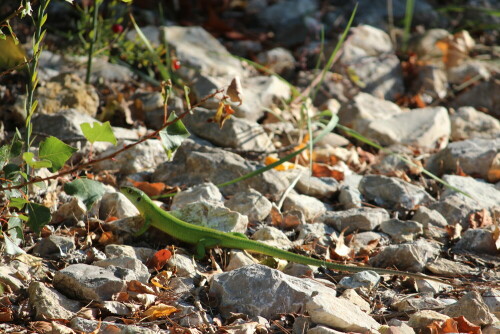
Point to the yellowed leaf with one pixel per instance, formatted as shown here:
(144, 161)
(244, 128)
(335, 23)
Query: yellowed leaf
(161, 280)
(158, 311)
(284, 166)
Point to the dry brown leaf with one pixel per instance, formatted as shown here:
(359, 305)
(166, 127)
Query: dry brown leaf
(496, 236)
(276, 216)
(224, 112)
(158, 311)
(151, 189)
(234, 91)
(494, 171)
(455, 50)
(323, 170)
(136, 286)
(465, 326)
(159, 259)
(41, 326)
(454, 231)
(161, 280)
(107, 238)
(480, 219)
(341, 250)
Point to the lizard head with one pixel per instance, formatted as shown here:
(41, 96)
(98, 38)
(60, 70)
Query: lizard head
(134, 195)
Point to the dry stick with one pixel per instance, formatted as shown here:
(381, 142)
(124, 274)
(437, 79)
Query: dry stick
(112, 155)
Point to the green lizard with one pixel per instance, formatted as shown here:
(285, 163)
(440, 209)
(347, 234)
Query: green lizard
(204, 237)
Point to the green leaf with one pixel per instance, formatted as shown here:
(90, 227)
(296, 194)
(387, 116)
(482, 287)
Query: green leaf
(89, 191)
(38, 216)
(99, 132)
(173, 135)
(15, 229)
(56, 152)
(29, 157)
(17, 202)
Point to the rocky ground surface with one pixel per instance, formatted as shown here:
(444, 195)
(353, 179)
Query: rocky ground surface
(434, 105)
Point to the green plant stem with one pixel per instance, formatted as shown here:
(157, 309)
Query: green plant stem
(32, 68)
(328, 128)
(93, 41)
(410, 5)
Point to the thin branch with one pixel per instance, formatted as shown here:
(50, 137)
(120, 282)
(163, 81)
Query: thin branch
(112, 155)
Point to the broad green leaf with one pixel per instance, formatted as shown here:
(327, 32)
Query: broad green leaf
(29, 157)
(17, 202)
(55, 151)
(11, 171)
(98, 132)
(38, 216)
(16, 147)
(15, 229)
(10, 247)
(173, 135)
(89, 191)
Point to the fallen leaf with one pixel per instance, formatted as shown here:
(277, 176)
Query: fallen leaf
(6, 314)
(494, 170)
(161, 280)
(480, 219)
(159, 259)
(323, 170)
(107, 237)
(224, 112)
(341, 249)
(158, 311)
(234, 91)
(284, 166)
(136, 286)
(465, 326)
(496, 236)
(454, 231)
(276, 216)
(41, 326)
(151, 189)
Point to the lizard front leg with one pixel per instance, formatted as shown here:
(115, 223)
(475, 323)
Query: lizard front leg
(203, 244)
(144, 227)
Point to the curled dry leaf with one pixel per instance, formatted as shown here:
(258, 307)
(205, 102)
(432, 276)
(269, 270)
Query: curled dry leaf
(136, 286)
(161, 280)
(234, 91)
(341, 249)
(480, 219)
(323, 170)
(158, 311)
(454, 231)
(454, 325)
(159, 259)
(224, 112)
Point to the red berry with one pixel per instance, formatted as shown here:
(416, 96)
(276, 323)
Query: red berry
(117, 28)
(176, 64)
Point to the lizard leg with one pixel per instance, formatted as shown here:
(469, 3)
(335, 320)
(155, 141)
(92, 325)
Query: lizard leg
(203, 244)
(144, 227)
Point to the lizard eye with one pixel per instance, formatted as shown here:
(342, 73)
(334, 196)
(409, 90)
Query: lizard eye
(138, 199)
